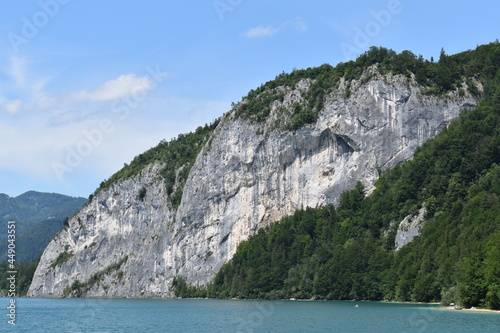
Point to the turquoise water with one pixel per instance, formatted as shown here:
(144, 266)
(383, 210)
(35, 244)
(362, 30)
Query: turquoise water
(155, 315)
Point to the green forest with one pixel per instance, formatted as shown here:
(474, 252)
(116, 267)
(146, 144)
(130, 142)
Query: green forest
(348, 251)
(39, 217)
(449, 73)
(24, 275)
(177, 156)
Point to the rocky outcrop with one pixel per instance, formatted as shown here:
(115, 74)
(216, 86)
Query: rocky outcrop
(115, 227)
(409, 228)
(247, 176)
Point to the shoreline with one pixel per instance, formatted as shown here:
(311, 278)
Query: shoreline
(469, 310)
(289, 299)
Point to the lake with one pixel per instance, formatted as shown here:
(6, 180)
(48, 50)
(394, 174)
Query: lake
(186, 315)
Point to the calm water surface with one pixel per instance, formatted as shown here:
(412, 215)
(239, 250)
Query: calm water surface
(139, 315)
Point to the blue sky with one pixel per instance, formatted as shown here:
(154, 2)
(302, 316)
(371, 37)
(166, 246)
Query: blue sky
(87, 85)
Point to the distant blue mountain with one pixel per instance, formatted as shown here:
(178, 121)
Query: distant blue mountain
(39, 216)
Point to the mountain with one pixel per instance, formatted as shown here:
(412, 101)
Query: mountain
(429, 232)
(38, 216)
(181, 209)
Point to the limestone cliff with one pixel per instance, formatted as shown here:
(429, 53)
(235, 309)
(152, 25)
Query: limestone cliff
(409, 228)
(248, 175)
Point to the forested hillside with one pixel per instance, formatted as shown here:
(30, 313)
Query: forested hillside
(38, 217)
(348, 252)
(177, 157)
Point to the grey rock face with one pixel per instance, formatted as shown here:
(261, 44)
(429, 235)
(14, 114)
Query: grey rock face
(409, 228)
(114, 225)
(241, 181)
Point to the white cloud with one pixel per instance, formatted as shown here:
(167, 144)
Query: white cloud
(267, 31)
(12, 107)
(66, 117)
(339, 29)
(296, 24)
(19, 88)
(17, 70)
(260, 31)
(123, 86)
(69, 137)
(45, 101)
(70, 106)
(49, 123)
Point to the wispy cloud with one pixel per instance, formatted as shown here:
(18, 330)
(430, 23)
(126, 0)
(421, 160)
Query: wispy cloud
(123, 86)
(260, 31)
(339, 29)
(43, 122)
(17, 70)
(66, 117)
(267, 31)
(12, 107)
(71, 106)
(19, 87)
